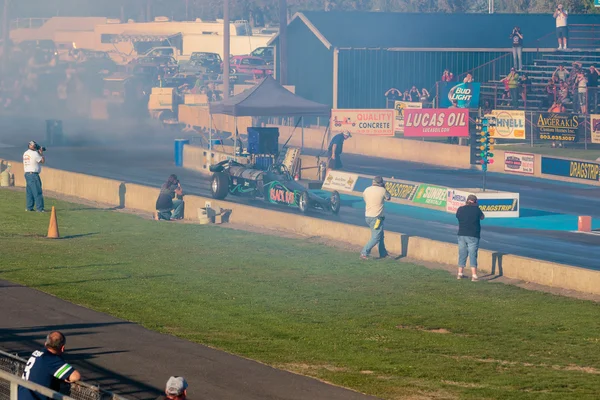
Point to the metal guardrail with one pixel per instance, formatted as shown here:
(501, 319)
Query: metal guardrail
(9, 388)
(14, 367)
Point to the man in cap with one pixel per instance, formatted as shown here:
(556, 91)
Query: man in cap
(560, 14)
(375, 197)
(47, 367)
(176, 389)
(33, 159)
(335, 149)
(469, 231)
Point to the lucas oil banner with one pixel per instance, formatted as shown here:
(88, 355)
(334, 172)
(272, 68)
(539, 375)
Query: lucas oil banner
(439, 122)
(462, 95)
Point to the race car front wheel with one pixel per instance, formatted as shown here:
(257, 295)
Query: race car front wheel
(219, 185)
(334, 202)
(303, 202)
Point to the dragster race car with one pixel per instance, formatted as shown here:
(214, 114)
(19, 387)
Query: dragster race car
(275, 186)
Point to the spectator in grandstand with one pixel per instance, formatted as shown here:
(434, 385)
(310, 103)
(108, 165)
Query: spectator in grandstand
(175, 389)
(561, 73)
(415, 96)
(560, 14)
(47, 368)
(517, 42)
(447, 76)
(557, 107)
(169, 204)
(525, 85)
(582, 91)
(512, 80)
(424, 96)
(550, 94)
(469, 231)
(592, 77)
(406, 96)
(487, 107)
(335, 150)
(468, 79)
(391, 96)
(563, 92)
(375, 197)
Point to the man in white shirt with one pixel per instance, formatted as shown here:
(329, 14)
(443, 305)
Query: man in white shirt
(561, 15)
(375, 197)
(33, 159)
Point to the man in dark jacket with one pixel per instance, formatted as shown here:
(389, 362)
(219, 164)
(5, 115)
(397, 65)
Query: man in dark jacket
(335, 149)
(169, 204)
(469, 230)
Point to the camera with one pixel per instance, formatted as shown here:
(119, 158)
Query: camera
(38, 147)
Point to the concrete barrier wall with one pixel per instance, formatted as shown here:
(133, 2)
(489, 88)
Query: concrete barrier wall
(143, 198)
(441, 154)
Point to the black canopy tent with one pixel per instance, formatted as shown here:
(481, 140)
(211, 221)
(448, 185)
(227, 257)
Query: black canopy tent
(268, 99)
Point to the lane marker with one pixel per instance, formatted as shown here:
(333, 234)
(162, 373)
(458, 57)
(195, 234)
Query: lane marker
(596, 233)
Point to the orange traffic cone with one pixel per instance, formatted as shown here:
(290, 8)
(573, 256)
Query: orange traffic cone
(53, 227)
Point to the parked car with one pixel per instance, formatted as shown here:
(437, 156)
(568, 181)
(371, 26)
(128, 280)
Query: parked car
(266, 53)
(249, 65)
(168, 65)
(203, 63)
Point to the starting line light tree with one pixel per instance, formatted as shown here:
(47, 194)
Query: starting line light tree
(482, 144)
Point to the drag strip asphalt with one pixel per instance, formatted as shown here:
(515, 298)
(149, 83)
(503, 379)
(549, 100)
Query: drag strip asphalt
(151, 165)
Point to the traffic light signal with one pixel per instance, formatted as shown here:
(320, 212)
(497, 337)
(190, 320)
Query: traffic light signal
(482, 143)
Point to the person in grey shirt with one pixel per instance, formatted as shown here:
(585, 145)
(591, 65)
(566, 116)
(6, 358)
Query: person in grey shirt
(375, 197)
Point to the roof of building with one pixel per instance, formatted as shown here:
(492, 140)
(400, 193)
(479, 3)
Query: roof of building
(427, 30)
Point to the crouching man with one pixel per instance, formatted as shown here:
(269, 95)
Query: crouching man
(169, 204)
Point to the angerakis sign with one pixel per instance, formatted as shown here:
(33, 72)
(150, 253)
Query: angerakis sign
(436, 122)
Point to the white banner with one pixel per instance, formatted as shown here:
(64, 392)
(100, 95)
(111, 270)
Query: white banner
(364, 122)
(399, 107)
(341, 181)
(595, 127)
(510, 124)
(456, 198)
(521, 163)
(493, 204)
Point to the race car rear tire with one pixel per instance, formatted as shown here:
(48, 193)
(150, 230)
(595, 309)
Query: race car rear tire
(334, 202)
(303, 202)
(219, 185)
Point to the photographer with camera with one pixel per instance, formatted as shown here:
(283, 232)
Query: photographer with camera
(169, 204)
(517, 42)
(561, 15)
(33, 159)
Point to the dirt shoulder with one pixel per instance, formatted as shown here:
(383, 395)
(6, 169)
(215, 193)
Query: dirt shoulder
(343, 246)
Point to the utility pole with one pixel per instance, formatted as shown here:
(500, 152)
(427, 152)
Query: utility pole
(5, 34)
(491, 6)
(226, 35)
(282, 51)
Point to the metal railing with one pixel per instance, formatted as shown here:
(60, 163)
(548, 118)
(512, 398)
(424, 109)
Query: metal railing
(14, 367)
(9, 388)
(584, 36)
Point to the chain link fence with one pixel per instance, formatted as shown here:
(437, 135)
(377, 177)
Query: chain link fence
(78, 391)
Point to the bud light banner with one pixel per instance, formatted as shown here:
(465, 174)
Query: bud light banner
(463, 95)
(441, 122)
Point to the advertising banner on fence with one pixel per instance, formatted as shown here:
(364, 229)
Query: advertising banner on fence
(364, 122)
(510, 124)
(340, 181)
(436, 122)
(400, 106)
(521, 163)
(431, 195)
(595, 127)
(456, 198)
(557, 127)
(584, 170)
(462, 95)
(401, 190)
(493, 204)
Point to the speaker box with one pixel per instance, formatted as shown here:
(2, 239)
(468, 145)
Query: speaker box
(263, 140)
